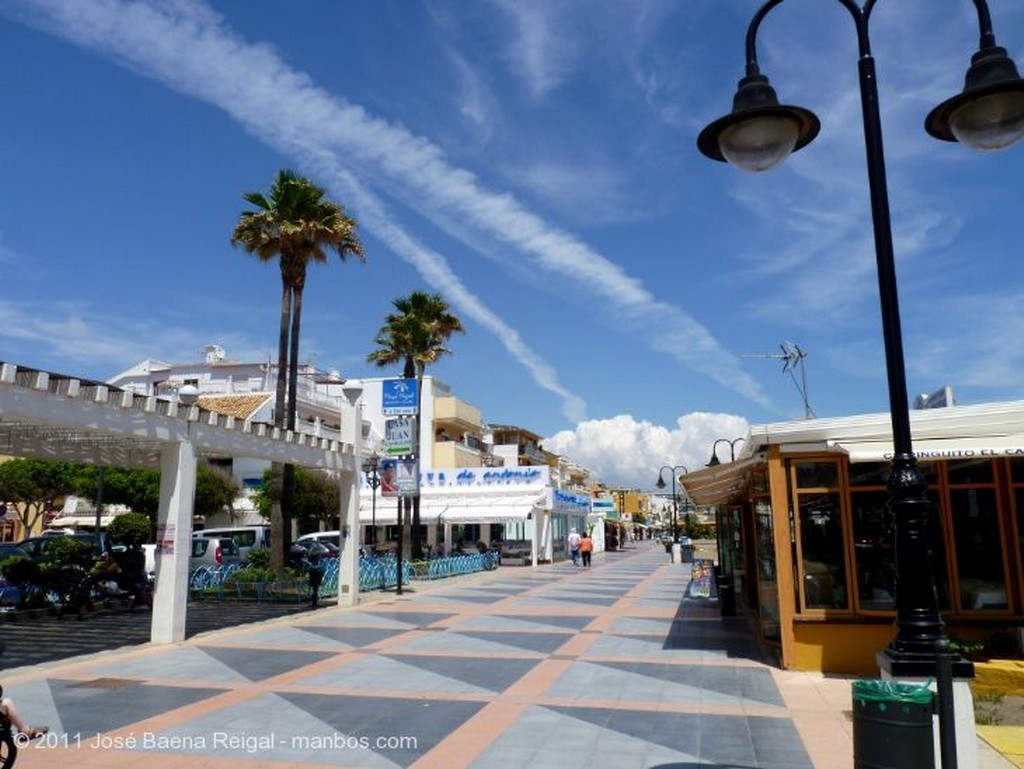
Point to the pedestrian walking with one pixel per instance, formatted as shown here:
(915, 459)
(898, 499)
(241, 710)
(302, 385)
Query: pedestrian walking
(574, 546)
(586, 548)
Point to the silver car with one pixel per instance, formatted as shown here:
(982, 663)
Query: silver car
(213, 552)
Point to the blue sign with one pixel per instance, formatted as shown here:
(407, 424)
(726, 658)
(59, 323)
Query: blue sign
(398, 397)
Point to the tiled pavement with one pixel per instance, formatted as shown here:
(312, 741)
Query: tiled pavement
(555, 667)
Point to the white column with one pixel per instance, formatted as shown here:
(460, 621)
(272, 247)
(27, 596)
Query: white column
(174, 542)
(348, 576)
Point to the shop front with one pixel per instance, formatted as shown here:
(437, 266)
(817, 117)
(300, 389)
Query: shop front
(514, 509)
(805, 531)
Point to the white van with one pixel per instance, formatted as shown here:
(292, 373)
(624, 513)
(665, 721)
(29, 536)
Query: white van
(246, 537)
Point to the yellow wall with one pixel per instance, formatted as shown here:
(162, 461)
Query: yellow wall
(848, 648)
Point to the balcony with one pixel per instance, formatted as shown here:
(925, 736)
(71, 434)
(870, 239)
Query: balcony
(453, 413)
(456, 454)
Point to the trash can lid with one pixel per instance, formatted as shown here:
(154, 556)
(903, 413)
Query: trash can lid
(878, 690)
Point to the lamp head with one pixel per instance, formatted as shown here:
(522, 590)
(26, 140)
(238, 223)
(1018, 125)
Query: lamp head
(352, 389)
(759, 133)
(989, 113)
(371, 464)
(714, 461)
(188, 394)
(661, 482)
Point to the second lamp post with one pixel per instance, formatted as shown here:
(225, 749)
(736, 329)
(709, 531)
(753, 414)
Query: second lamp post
(675, 472)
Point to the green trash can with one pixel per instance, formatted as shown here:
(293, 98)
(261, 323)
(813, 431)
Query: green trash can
(892, 725)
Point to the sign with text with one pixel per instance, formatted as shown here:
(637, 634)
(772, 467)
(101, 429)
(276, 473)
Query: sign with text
(399, 397)
(398, 436)
(407, 476)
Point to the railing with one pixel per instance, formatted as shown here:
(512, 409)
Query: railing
(207, 580)
(375, 573)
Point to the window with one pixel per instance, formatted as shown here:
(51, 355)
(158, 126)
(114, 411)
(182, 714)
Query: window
(974, 510)
(874, 549)
(874, 536)
(767, 583)
(823, 564)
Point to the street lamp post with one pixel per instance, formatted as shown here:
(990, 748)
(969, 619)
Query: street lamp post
(676, 472)
(759, 134)
(732, 451)
(371, 467)
(349, 568)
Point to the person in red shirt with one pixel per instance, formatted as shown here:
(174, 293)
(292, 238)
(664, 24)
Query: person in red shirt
(586, 548)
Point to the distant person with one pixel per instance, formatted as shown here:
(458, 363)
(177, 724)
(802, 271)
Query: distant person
(574, 546)
(586, 548)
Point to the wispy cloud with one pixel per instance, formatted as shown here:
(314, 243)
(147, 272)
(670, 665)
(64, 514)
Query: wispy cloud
(186, 46)
(541, 49)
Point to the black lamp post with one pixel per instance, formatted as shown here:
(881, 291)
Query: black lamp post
(758, 134)
(676, 472)
(732, 451)
(371, 466)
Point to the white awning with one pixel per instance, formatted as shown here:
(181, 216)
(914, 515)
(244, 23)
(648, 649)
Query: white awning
(929, 450)
(457, 508)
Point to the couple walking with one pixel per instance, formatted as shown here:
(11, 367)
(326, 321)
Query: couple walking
(580, 546)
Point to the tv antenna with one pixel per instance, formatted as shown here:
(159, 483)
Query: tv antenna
(792, 358)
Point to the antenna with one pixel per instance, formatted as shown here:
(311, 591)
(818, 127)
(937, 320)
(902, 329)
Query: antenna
(792, 357)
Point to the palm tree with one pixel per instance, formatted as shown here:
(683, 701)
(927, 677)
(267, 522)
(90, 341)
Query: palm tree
(415, 336)
(296, 225)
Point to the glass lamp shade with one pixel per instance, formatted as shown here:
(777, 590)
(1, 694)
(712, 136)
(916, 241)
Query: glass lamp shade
(989, 122)
(759, 142)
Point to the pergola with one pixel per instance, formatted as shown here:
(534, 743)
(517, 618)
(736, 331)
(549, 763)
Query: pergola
(54, 416)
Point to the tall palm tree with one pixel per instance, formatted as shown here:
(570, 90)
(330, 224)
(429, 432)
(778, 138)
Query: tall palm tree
(415, 335)
(295, 224)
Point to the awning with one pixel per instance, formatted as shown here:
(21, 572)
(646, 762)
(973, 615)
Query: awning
(929, 450)
(457, 508)
(719, 484)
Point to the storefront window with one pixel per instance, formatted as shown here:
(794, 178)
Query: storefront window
(874, 549)
(817, 474)
(821, 548)
(767, 583)
(979, 557)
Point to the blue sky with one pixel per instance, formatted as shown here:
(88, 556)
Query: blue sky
(535, 163)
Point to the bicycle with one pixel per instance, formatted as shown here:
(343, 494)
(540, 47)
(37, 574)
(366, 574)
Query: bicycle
(8, 743)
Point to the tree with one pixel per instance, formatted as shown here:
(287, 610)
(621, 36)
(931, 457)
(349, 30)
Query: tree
(215, 489)
(316, 499)
(415, 335)
(294, 224)
(140, 489)
(32, 486)
(135, 488)
(130, 529)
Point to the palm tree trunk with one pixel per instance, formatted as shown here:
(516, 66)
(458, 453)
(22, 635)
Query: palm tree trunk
(278, 551)
(288, 482)
(416, 546)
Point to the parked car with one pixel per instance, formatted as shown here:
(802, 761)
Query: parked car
(11, 550)
(330, 538)
(213, 551)
(37, 547)
(246, 537)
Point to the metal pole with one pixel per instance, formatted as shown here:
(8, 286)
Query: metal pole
(398, 548)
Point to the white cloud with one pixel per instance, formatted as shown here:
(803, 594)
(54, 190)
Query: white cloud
(622, 451)
(186, 46)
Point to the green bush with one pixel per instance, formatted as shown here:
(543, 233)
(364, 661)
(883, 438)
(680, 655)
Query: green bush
(19, 570)
(252, 574)
(71, 551)
(258, 558)
(130, 529)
